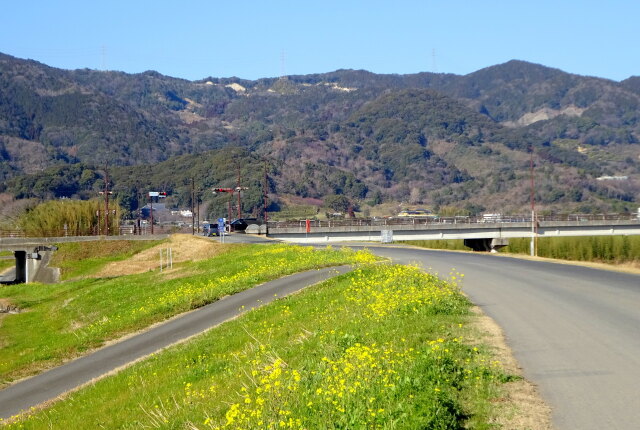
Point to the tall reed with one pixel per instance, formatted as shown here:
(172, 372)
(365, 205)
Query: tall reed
(608, 249)
(69, 217)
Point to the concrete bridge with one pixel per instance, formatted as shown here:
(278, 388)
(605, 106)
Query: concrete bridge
(32, 254)
(478, 233)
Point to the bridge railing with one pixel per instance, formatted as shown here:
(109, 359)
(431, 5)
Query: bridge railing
(400, 221)
(121, 231)
(11, 233)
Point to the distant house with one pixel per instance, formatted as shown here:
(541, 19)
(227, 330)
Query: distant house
(416, 213)
(157, 207)
(612, 178)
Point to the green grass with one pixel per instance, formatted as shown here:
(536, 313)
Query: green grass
(454, 245)
(381, 347)
(64, 320)
(8, 261)
(79, 259)
(605, 249)
(295, 212)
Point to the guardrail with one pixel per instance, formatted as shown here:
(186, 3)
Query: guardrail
(122, 231)
(393, 221)
(355, 222)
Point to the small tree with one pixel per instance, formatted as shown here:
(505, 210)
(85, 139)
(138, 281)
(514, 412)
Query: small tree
(338, 203)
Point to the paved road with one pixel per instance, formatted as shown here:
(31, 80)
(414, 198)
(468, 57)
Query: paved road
(8, 275)
(574, 330)
(48, 385)
(243, 238)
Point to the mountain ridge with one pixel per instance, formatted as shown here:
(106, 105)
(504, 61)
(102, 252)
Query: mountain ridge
(427, 138)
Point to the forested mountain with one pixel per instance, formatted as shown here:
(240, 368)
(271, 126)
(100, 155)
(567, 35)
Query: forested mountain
(428, 139)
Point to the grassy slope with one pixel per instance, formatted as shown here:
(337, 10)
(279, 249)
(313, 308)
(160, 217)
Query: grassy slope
(86, 258)
(64, 320)
(395, 351)
(8, 262)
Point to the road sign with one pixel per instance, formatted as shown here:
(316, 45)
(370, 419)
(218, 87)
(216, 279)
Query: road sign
(386, 236)
(154, 193)
(221, 222)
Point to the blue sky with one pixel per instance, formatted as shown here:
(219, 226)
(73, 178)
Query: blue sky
(253, 39)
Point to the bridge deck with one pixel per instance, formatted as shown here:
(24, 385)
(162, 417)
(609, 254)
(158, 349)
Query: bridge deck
(452, 230)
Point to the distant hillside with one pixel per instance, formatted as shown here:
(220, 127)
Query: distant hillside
(421, 139)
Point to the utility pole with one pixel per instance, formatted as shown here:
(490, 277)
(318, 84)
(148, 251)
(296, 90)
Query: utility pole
(265, 191)
(139, 223)
(230, 191)
(193, 215)
(534, 231)
(434, 67)
(106, 203)
(103, 51)
(158, 195)
(198, 203)
(239, 199)
(239, 190)
(106, 193)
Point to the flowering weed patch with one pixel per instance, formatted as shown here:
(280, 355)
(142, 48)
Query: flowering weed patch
(61, 321)
(383, 346)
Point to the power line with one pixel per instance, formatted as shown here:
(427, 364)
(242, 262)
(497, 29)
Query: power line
(103, 52)
(282, 64)
(434, 66)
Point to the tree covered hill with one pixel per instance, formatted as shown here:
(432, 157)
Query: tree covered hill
(425, 138)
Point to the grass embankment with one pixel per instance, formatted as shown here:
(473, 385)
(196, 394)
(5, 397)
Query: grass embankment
(6, 260)
(599, 249)
(382, 347)
(64, 320)
(81, 259)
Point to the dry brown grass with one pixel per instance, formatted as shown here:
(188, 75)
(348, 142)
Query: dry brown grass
(5, 304)
(522, 406)
(184, 247)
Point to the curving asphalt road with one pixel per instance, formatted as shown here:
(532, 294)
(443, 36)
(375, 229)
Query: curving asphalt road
(48, 385)
(8, 275)
(574, 330)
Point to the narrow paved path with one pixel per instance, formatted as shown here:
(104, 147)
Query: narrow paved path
(8, 276)
(575, 330)
(48, 385)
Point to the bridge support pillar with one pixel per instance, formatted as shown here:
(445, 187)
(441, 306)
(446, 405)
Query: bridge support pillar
(30, 267)
(486, 244)
(21, 266)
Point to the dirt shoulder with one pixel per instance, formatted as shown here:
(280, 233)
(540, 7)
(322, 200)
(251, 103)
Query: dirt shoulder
(521, 406)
